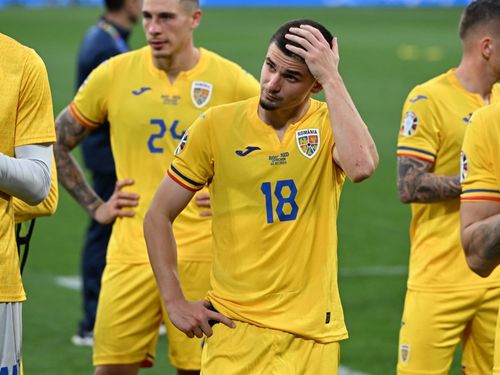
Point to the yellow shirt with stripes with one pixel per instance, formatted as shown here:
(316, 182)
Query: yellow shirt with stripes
(26, 117)
(480, 161)
(435, 116)
(275, 209)
(148, 116)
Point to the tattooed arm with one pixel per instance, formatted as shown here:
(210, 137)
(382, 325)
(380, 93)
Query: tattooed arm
(416, 184)
(480, 224)
(70, 133)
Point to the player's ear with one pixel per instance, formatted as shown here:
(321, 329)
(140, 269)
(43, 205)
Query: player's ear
(196, 18)
(316, 87)
(486, 46)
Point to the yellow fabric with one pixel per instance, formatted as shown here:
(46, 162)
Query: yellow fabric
(147, 116)
(496, 360)
(481, 156)
(261, 351)
(433, 325)
(275, 212)
(130, 311)
(435, 116)
(25, 212)
(26, 117)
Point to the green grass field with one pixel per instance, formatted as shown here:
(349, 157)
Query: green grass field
(384, 53)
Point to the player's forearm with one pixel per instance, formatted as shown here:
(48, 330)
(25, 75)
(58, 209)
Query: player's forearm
(481, 242)
(417, 185)
(162, 254)
(354, 147)
(69, 135)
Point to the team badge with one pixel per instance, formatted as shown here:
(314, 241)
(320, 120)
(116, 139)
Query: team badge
(409, 125)
(201, 93)
(182, 144)
(308, 141)
(404, 353)
(464, 167)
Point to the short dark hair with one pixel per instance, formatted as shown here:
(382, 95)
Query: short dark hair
(114, 5)
(479, 12)
(279, 39)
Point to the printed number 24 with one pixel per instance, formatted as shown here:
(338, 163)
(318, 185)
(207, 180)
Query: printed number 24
(282, 200)
(155, 149)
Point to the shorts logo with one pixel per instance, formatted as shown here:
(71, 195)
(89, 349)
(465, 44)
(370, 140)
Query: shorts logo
(201, 93)
(409, 125)
(464, 167)
(404, 353)
(308, 141)
(182, 144)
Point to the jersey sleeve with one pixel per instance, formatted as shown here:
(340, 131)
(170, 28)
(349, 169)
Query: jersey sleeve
(477, 172)
(192, 166)
(35, 116)
(419, 130)
(89, 105)
(247, 86)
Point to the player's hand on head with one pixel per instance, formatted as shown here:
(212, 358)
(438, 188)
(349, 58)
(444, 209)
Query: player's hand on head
(118, 204)
(202, 200)
(193, 317)
(321, 58)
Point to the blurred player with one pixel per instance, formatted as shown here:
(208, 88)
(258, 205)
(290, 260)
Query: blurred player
(108, 38)
(25, 173)
(149, 98)
(480, 199)
(276, 166)
(445, 302)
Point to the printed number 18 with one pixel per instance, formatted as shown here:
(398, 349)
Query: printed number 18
(278, 193)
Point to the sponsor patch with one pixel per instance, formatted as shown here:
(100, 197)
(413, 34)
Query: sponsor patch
(464, 167)
(409, 125)
(404, 353)
(308, 141)
(182, 144)
(201, 93)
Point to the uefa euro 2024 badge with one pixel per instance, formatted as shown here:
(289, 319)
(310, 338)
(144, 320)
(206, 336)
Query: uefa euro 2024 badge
(409, 125)
(308, 141)
(201, 93)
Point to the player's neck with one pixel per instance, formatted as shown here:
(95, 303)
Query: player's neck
(180, 62)
(120, 18)
(281, 119)
(475, 77)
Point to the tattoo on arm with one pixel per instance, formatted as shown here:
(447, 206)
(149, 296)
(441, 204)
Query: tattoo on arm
(70, 133)
(417, 184)
(485, 242)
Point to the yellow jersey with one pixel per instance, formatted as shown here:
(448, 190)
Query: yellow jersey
(275, 207)
(480, 160)
(26, 117)
(148, 115)
(435, 116)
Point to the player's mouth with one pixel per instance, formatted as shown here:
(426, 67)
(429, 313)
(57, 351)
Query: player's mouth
(157, 44)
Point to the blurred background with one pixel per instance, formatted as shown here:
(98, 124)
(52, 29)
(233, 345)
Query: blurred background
(386, 47)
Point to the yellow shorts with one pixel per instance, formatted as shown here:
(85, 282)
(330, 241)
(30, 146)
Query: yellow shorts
(496, 361)
(130, 311)
(248, 349)
(434, 323)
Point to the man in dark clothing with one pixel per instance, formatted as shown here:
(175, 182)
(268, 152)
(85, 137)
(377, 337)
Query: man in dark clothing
(107, 38)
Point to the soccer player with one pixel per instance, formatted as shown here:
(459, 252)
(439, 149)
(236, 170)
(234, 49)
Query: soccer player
(445, 302)
(108, 38)
(27, 125)
(149, 97)
(480, 199)
(275, 165)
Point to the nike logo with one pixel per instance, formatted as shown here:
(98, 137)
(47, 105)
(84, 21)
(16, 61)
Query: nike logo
(141, 91)
(419, 97)
(248, 150)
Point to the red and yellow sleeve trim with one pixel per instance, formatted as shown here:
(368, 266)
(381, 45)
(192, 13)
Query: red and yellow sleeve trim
(416, 153)
(82, 119)
(184, 181)
(480, 195)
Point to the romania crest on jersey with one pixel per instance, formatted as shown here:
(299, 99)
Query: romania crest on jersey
(201, 93)
(308, 141)
(464, 166)
(404, 353)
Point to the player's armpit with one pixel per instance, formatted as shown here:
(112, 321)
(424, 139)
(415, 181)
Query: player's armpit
(416, 182)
